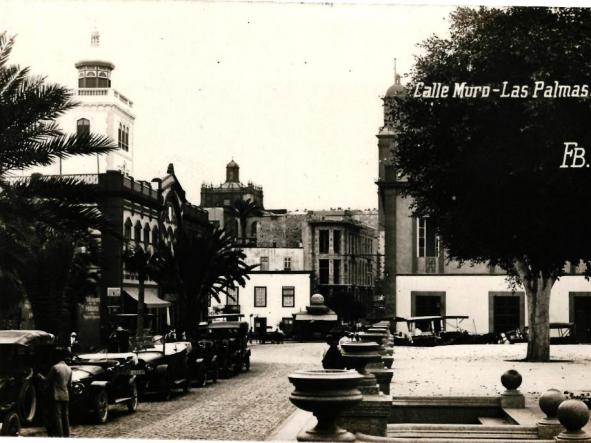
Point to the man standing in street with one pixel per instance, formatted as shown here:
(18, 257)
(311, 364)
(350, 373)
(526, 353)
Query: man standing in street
(59, 379)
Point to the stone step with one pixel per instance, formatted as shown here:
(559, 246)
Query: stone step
(494, 421)
(460, 431)
(522, 416)
(370, 438)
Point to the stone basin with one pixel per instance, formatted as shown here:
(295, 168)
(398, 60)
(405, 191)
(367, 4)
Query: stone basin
(325, 393)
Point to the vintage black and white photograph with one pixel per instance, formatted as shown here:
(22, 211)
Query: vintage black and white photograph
(295, 221)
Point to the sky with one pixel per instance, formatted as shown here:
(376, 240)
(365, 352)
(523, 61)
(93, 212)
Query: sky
(292, 92)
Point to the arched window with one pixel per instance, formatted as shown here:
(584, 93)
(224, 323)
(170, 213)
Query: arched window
(127, 229)
(123, 137)
(155, 236)
(126, 138)
(83, 127)
(147, 234)
(137, 234)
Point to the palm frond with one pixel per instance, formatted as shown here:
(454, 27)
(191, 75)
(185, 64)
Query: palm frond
(11, 78)
(6, 44)
(43, 153)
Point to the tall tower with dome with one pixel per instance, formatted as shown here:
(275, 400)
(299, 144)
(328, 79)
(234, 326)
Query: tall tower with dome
(389, 200)
(102, 110)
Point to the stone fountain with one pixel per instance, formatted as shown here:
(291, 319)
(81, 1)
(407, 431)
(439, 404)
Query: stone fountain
(379, 337)
(371, 414)
(325, 393)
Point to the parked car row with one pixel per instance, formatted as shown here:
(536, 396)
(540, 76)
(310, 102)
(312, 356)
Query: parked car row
(102, 379)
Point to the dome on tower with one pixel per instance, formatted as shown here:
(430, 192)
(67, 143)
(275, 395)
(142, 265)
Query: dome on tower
(94, 69)
(232, 164)
(396, 88)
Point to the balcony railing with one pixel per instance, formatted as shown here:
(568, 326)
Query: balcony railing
(104, 92)
(91, 179)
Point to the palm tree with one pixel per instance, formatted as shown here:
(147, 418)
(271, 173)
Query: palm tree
(30, 136)
(145, 266)
(57, 272)
(208, 264)
(242, 209)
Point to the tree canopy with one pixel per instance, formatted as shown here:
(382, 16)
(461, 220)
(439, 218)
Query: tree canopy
(486, 170)
(44, 220)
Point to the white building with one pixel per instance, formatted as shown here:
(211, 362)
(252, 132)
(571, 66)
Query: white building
(271, 297)
(275, 259)
(276, 290)
(102, 110)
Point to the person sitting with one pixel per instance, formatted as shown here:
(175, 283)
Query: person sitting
(346, 338)
(333, 359)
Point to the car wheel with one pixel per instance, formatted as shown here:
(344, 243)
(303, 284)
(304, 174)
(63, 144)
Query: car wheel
(132, 404)
(247, 363)
(100, 406)
(11, 424)
(27, 402)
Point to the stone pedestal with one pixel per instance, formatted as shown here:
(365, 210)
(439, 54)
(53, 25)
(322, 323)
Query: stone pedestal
(549, 430)
(384, 378)
(379, 338)
(573, 415)
(388, 361)
(325, 393)
(512, 398)
(549, 427)
(358, 355)
(370, 416)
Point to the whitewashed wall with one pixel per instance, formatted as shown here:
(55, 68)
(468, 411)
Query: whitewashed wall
(274, 311)
(468, 295)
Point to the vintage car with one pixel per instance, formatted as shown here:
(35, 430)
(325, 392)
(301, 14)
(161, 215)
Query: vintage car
(562, 333)
(203, 359)
(231, 338)
(100, 380)
(164, 368)
(22, 355)
(431, 331)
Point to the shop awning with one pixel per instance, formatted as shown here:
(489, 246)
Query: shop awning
(151, 298)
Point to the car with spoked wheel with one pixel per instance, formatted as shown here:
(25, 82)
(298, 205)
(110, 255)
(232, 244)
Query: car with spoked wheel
(164, 368)
(100, 380)
(231, 339)
(23, 354)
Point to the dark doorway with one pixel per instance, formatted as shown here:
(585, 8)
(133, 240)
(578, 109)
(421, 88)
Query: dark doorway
(582, 314)
(427, 305)
(506, 313)
(260, 327)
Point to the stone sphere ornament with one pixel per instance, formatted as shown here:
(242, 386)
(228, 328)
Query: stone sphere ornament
(511, 380)
(573, 415)
(549, 402)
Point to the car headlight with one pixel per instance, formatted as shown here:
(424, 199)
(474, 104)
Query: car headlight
(149, 367)
(78, 388)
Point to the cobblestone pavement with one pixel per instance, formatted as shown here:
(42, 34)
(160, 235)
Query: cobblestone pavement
(246, 407)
